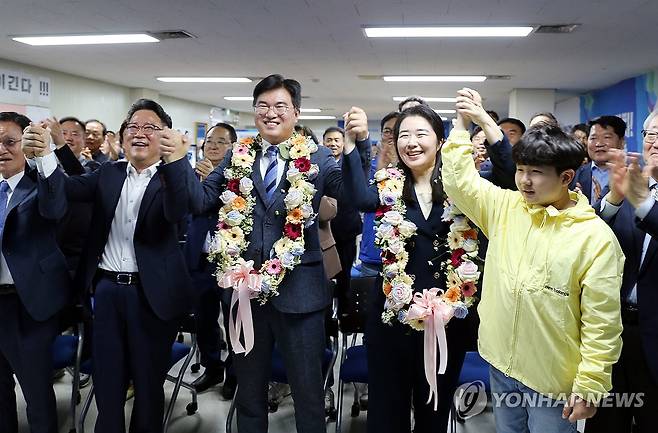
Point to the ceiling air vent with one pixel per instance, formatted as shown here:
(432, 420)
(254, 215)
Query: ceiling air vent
(172, 34)
(559, 28)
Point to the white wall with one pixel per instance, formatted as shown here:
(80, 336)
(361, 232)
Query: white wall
(72, 95)
(568, 111)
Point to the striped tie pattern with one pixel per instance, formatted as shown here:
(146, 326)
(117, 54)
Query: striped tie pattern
(270, 174)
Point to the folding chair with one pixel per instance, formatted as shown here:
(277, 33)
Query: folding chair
(353, 360)
(67, 354)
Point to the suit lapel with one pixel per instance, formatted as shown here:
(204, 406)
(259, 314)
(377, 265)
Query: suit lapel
(112, 191)
(151, 190)
(257, 178)
(651, 252)
(586, 182)
(22, 191)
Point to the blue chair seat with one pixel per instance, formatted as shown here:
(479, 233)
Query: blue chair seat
(64, 351)
(279, 368)
(355, 367)
(475, 368)
(178, 352)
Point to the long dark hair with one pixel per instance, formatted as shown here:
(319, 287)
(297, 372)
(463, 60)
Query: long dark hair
(437, 125)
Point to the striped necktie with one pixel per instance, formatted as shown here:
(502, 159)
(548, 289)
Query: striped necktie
(270, 174)
(4, 194)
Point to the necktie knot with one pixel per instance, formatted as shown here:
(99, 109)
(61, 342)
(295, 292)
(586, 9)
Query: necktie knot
(4, 187)
(272, 151)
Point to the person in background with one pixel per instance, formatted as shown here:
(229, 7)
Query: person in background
(95, 131)
(478, 138)
(512, 128)
(544, 117)
(411, 101)
(580, 132)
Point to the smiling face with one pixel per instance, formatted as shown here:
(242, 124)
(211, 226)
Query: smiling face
(94, 136)
(334, 141)
(12, 158)
(651, 149)
(275, 115)
(74, 136)
(143, 150)
(216, 145)
(541, 184)
(600, 140)
(417, 144)
(512, 131)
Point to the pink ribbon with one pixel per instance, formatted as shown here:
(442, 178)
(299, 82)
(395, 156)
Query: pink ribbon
(435, 313)
(246, 286)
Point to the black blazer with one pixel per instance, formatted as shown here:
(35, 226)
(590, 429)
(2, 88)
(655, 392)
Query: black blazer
(163, 274)
(29, 245)
(630, 232)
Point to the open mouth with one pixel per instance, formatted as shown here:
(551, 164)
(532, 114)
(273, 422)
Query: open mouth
(271, 123)
(139, 144)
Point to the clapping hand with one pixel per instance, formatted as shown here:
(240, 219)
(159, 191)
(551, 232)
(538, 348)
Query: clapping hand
(55, 131)
(204, 168)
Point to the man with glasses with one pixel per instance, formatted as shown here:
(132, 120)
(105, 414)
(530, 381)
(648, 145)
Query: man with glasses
(294, 320)
(34, 282)
(605, 133)
(630, 209)
(132, 265)
(197, 246)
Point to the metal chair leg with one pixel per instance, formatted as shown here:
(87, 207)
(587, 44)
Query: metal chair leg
(231, 412)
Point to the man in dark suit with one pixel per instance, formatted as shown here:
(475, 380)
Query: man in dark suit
(605, 133)
(134, 266)
(294, 320)
(631, 210)
(34, 282)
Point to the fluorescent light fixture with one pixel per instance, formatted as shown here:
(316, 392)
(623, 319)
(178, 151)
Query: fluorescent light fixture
(445, 111)
(448, 32)
(437, 78)
(204, 79)
(426, 99)
(239, 98)
(86, 39)
(316, 117)
(310, 110)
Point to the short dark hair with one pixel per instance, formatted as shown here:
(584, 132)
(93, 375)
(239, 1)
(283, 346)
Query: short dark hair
(475, 132)
(551, 117)
(493, 115)
(122, 129)
(436, 122)
(148, 104)
(99, 122)
(418, 99)
(549, 145)
(341, 131)
(580, 127)
(513, 121)
(614, 122)
(276, 81)
(20, 120)
(74, 120)
(392, 115)
(229, 128)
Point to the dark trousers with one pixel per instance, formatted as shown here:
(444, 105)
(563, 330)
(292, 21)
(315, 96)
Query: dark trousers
(630, 375)
(212, 299)
(130, 343)
(347, 253)
(26, 350)
(396, 374)
(300, 339)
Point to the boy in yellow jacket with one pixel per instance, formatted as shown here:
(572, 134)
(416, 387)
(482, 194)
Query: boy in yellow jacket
(550, 309)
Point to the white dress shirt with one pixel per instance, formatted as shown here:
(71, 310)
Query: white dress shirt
(265, 162)
(119, 253)
(5, 273)
(609, 210)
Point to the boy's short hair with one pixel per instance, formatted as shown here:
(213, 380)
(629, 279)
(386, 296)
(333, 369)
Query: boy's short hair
(548, 145)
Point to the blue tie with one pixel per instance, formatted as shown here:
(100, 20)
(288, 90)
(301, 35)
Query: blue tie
(270, 174)
(4, 193)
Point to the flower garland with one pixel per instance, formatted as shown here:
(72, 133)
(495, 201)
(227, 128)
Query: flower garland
(391, 235)
(235, 219)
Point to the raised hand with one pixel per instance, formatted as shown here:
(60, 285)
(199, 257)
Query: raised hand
(636, 182)
(36, 141)
(356, 128)
(617, 173)
(204, 168)
(56, 133)
(173, 145)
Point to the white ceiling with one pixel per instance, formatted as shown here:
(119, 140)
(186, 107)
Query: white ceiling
(321, 44)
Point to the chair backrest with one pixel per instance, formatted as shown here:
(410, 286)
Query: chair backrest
(352, 310)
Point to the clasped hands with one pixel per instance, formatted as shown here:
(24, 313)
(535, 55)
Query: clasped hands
(356, 128)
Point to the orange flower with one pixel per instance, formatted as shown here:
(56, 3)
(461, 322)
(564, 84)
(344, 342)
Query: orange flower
(247, 141)
(381, 184)
(453, 294)
(295, 216)
(471, 234)
(298, 140)
(387, 288)
(239, 203)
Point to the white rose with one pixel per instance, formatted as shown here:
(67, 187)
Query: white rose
(470, 245)
(381, 175)
(393, 217)
(293, 175)
(459, 224)
(313, 172)
(228, 196)
(401, 294)
(407, 228)
(396, 246)
(293, 199)
(246, 185)
(307, 210)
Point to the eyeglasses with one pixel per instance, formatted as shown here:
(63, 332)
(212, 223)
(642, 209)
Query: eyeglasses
(148, 129)
(650, 136)
(218, 143)
(387, 131)
(279, 109)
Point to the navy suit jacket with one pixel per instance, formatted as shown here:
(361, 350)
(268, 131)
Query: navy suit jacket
(502, 170)
(630, 232)
(584, 178)
(197, 230)
(162, 271)
(303, 290)
(29, 245)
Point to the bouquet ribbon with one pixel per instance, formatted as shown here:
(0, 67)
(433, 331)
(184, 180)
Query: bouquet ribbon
(246, 286)
(435, 314)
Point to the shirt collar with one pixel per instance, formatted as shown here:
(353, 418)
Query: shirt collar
(148, 172)
(597, 168)
(652, 182)
(14, 180)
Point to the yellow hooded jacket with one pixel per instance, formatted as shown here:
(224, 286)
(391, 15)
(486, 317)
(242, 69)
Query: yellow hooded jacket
(550, 308)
